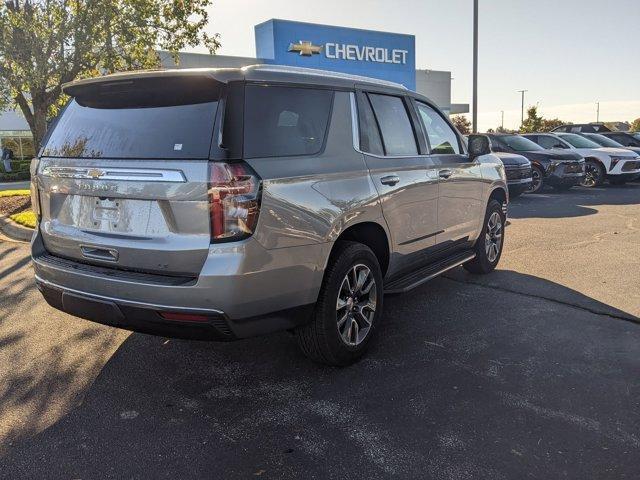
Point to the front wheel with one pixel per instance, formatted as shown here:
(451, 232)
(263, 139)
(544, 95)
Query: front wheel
(348, 309)
(488, 247)
(537, 179)
(594, 174)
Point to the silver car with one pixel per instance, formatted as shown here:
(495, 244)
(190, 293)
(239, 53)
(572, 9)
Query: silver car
(228, 203)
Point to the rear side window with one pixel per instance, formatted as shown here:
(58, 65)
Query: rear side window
(370, 140)
(395, 125)
(442, 138)
(285, 121)
(171, 132)
(550, 142)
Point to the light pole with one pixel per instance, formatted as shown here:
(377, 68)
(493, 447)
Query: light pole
(522, 114)
(475, 67)
(502, 124)
(597, 112)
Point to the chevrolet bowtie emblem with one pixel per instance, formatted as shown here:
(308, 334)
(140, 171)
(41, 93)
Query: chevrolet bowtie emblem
(95, 173)
(305, 48)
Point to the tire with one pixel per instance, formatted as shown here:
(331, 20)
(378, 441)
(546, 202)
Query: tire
(322, 339)
(594, 174)
(485, 261)
(538, 179)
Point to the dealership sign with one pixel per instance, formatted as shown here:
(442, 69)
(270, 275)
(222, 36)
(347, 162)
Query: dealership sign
(388, 56)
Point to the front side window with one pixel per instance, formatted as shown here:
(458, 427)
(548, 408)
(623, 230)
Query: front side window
(285, 121)
(442, 138)
(602, 140)
(395, 125)
(578, 142)
(548, 142)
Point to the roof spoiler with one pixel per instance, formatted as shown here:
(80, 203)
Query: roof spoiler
(147, 89)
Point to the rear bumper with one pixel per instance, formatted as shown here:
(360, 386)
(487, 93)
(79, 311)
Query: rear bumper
(243, 290)
(146, 318)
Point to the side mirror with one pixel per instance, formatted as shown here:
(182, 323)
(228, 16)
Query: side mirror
(478, 145)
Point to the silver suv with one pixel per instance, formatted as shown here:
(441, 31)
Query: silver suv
(228, 203)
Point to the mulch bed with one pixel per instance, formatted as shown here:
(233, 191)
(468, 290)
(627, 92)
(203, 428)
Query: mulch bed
(16, 204)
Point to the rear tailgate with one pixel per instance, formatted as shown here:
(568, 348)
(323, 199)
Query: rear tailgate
(142, 215)
(123, 175)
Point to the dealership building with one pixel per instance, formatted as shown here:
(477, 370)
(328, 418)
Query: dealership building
(384, 55)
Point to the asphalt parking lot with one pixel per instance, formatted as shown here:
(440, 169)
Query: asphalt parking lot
(530, 372)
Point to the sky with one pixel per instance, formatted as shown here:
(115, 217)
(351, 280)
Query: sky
(568, 54)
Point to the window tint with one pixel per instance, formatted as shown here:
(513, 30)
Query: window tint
(550, 142)
(283, 121)
(179, 131)
(393, 118)
(578, 141)
(370, 141)
(442, 138)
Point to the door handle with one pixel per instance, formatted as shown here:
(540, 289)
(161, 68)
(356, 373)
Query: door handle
(390, 180)
(446, 173)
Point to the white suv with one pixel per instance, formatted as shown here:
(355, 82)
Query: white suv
(618, 165)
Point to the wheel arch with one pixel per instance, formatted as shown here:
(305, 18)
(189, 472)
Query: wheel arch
(371, 234)
(500, 194)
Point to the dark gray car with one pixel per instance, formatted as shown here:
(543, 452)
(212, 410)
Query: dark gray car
(223, 204)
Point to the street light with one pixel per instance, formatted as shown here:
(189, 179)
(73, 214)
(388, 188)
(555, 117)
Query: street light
(598, 112)
(475, 67)
(522, 114)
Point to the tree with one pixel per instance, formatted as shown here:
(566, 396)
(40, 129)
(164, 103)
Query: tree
(635, 125)
(533, 122)
(551, 123)
(462, 124)
(46, 43)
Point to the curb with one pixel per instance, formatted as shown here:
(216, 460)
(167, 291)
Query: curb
(15, 231)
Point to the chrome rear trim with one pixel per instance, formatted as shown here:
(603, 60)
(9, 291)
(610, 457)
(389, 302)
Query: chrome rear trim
(116, 174)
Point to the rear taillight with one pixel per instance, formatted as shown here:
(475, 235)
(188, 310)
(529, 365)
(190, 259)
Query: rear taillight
(234, 200)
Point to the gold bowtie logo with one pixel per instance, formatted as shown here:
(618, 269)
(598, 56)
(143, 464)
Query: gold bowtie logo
(95, 173)
(305, 48)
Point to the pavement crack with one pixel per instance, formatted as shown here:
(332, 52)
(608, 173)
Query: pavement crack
(627, 318)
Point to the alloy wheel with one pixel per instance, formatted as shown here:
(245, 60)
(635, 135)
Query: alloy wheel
(536, 180)
(591, 175)
(356, 304)
(493, 237)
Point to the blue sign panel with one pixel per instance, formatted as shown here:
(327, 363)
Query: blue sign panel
(388, 56)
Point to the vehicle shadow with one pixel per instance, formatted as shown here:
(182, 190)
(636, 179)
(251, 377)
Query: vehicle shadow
(576, 202)
(461, 376)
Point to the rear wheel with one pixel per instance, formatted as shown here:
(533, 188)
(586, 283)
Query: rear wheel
(488, 247)
(537, 177)
(594, 174)
(348, 308)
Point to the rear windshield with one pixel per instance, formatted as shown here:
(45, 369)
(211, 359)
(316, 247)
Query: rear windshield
(171, 132)
(284, 121)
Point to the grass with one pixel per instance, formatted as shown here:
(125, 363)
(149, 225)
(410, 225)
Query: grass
(27, 218)
(13, 193)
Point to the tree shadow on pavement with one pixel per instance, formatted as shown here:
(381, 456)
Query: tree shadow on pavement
(464, 381)
(577, 202)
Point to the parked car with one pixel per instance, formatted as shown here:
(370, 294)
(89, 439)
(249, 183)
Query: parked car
(518, 171)
(582, 128)
(617, 165)
(623, 138)
(608, 141)
(636, 135)
(558, 169)
(239, 202)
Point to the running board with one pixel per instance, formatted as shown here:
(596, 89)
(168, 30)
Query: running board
(418, 277)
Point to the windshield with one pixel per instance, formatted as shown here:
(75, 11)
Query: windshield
(602, 140)
(577, 141)
(164, 132)
(518, 143)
